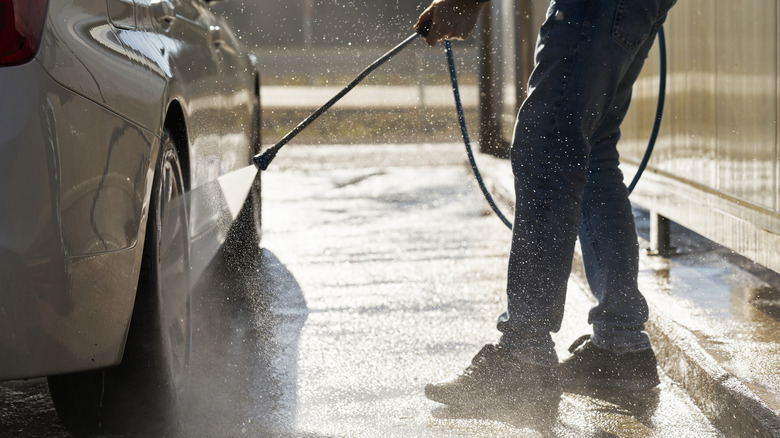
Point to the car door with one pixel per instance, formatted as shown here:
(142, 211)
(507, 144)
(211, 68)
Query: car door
(239, 98)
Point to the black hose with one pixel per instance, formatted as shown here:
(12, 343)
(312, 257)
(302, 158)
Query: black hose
(464, 132)
(659, 110)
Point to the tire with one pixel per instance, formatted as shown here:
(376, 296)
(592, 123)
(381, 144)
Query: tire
(146, 392)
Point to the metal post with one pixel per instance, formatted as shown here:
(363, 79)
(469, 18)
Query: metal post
(660, 236)
(489, 109)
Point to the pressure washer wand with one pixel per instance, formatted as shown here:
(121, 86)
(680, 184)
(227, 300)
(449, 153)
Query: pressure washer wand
(263, 160)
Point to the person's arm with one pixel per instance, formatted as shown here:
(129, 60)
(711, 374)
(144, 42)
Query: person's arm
(451, 19)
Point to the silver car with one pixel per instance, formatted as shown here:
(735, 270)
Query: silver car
(116, 119)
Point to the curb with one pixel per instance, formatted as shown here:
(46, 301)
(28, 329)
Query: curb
(726, 401)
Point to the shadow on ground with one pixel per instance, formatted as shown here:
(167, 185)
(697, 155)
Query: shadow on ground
(248, 314)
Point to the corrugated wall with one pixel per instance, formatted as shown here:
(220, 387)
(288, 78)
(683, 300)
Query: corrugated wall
(715, 168)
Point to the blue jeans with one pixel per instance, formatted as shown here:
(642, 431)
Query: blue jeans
(567, 181)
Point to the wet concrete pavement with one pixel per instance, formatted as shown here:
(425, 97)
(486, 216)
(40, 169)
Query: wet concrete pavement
(380, 271)
(402, 271)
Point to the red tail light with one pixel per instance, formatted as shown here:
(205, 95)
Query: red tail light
(21, 27)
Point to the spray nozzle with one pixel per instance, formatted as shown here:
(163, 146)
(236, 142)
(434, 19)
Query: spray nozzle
(262, 161)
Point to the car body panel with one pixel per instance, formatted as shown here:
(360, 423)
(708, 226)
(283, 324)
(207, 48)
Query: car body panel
(79, 133)
(65, 240)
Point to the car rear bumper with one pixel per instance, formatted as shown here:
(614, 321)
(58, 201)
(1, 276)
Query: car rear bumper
(66, 296)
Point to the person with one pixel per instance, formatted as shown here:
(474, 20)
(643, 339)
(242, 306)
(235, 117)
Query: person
(567, 184)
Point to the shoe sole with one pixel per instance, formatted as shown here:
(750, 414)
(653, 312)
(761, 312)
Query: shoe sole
(614, 384)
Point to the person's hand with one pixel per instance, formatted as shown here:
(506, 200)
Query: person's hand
(450, 19)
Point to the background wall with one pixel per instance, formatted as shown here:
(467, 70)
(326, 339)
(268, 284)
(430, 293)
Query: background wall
(280, 23)
(716, 165)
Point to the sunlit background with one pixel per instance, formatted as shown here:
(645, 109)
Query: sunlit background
(308, 50)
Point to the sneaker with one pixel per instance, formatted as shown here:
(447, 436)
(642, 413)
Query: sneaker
(493, 376)
(592, 367)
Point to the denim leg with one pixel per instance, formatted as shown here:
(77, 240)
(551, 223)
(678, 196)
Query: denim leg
(607, 232)
(581, 63)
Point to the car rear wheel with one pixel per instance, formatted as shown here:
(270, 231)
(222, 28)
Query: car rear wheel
(145, 393)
